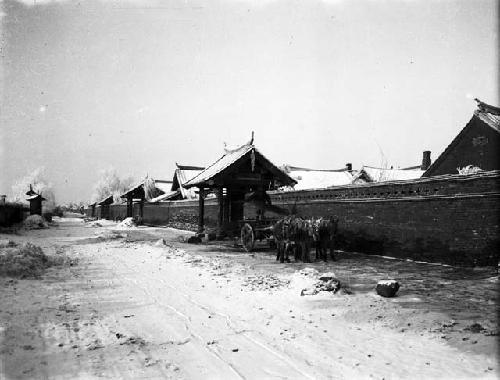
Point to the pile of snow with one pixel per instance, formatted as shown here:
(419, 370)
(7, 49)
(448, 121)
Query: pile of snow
(160, 243)
(469, 169)
(326, 282)
(94, 224)
(27, 260)
(127, 223)
(6, 243)
(33, 222)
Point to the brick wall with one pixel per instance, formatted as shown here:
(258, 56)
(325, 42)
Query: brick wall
(180, 212)
(459, 230)
(10, 214)
(452, 219)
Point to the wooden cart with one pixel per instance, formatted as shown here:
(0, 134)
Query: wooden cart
(253, 230)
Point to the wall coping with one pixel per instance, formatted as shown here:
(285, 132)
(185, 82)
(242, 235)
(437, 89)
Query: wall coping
(423, 180)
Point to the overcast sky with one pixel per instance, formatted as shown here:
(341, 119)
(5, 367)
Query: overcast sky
(140, 85)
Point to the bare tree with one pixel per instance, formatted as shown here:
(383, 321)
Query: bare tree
(109, 183)
(37, 179)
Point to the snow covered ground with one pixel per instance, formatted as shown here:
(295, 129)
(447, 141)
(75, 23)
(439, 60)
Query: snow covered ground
(134, 308)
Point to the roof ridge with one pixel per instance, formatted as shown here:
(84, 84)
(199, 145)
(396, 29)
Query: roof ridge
(482, 106)
(286, 166)
(219, 159)
(188, 167)
(406, 169)
(479, 114)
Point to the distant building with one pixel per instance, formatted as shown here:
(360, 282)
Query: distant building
(177, 191)
(370, 174)
(318, 179)
(35, 199)
(104, 207)
(475, 147)
(147, 190)
(91, 207)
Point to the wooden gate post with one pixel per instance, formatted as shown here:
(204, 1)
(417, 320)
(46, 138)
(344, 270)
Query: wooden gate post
(220, 198)
(227, 209)
(130, 206)
(201, 210)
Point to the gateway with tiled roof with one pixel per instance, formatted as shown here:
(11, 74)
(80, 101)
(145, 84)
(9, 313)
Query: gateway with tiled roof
(239, 166)
(476, 146)
(238, 172)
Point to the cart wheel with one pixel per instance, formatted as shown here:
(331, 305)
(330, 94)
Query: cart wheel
(247, 237)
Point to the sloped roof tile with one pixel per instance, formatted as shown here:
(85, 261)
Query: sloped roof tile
(229, 158)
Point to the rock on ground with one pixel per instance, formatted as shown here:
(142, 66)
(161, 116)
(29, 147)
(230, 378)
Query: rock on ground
(387, 288)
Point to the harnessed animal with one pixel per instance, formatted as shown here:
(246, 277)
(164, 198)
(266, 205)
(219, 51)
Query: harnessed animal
(298, 235)
(325, 231)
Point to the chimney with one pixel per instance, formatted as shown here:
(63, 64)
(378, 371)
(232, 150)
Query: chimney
(426, 160)
(349, 167)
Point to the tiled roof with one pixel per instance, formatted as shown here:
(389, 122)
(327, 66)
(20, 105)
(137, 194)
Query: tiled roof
(163, 185)
(31, 197)
(106, 201)
(318, 179)
(183, 175)
(222, 163)
(488, 114)
(229, 158)
(189, 167)
(383, 174)
(490, 119)
(164, 197)
(132, 189)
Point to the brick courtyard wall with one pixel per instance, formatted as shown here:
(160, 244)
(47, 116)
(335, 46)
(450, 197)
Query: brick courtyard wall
(10, 214)
(451, 219)
(182, 213)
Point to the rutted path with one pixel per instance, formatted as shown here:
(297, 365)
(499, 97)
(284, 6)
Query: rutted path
(271, 363)
(131, 309)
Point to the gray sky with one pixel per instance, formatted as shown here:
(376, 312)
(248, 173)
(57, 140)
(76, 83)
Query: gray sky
(140, 85)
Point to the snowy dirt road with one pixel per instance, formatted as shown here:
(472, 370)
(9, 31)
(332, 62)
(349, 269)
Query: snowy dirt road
(134, 309)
